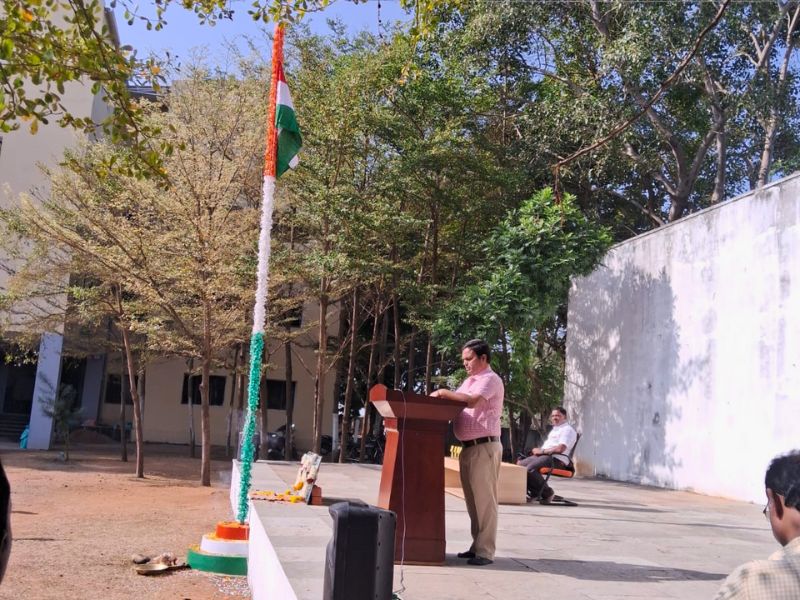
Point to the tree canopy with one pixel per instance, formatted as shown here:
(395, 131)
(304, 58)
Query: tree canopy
(423, 207)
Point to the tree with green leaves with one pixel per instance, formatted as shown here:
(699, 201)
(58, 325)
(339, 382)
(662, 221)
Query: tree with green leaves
(63, 411)
(692, 101)
(517, 290)
(336, 214)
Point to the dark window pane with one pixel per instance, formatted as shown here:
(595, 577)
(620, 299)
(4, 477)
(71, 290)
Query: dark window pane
(216, 387)
(114, 389)
(276, 393)
(72, 373)
(294, 317)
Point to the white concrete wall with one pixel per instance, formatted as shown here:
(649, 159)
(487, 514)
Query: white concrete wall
(22, 157)
(683, 349)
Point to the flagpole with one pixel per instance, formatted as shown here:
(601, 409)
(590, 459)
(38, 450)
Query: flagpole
(262, 281)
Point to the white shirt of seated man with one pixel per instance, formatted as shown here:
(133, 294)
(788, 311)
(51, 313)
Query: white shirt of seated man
(562, 436)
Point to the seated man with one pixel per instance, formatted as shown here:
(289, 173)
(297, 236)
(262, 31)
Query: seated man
(560, 440)
(777, 578)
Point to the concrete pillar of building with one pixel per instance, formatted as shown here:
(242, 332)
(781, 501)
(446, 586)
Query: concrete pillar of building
(48, 372)
(92, 387)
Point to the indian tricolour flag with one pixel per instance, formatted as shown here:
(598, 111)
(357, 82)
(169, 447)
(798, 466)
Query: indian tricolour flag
(289, 140)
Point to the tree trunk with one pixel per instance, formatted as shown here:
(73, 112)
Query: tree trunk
(141, 388)
(766, 151)
(240, 397)
(434, 281)
(124, 394)
(428, 365)
(340, 374)
(288, 447)
(368, 408)
(512, 432)
(410, 366)
(190, 402)
(137, 407)
(677, 207)
(263, 396)
(718, 119)
(382, 348)
(229, 421)
(348, 389)
(397, 348)
(506, 376)
(319, 388)
(381, 373)
(205, 420)
(525, 426)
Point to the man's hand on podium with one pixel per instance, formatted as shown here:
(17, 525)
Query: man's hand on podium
(467, 399)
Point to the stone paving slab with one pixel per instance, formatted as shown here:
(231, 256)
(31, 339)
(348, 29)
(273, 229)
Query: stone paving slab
(622, 542)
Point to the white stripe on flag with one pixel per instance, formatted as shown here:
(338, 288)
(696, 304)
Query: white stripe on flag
(284, 97)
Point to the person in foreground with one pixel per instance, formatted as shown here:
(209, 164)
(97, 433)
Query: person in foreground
(778, 577)
(553, 453)
(478, 428)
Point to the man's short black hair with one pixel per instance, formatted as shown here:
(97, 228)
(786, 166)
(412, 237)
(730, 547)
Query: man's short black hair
(479, 347)
(561, 409)
(783, 478)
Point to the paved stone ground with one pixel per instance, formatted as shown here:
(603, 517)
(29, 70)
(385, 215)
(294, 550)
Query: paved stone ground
(622, 541)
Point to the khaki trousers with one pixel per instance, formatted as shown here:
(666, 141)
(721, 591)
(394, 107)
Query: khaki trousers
(480, 466)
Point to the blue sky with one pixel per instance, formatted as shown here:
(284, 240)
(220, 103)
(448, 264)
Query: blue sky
(183, 32)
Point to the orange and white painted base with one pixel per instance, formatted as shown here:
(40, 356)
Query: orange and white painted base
(223, 551)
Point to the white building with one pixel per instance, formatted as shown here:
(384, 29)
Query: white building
(683, 349)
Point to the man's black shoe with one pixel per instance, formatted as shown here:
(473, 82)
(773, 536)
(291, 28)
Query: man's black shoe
(549, 498)
(479, 561)
(467, 554)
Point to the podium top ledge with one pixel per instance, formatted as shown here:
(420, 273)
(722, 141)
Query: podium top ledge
(400, 404)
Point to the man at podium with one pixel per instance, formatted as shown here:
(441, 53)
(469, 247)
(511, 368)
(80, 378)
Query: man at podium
(478, 428)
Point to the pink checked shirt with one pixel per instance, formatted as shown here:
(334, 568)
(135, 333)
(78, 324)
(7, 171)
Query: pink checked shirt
(484, 418)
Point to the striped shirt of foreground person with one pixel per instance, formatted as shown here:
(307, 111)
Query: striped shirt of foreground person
(778, 577)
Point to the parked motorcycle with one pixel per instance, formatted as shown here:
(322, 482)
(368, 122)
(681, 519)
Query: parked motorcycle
(276, 444)
(373, 449)
(326, 445)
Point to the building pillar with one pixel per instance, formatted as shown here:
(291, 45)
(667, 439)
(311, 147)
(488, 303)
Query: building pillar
(3, 384)
(92, 387)
(48, 372)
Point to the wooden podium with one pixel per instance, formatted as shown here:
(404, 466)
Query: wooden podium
(412, 479)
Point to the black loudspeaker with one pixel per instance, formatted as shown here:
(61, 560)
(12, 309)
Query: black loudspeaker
(359, 559)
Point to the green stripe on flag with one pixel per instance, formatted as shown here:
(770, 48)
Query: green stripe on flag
(289, 139)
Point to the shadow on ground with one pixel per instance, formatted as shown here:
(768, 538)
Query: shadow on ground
(602, 570)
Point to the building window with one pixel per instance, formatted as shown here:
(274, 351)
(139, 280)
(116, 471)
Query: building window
(276, 393)
(294, 317)
(114, 389)
(216, 387)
